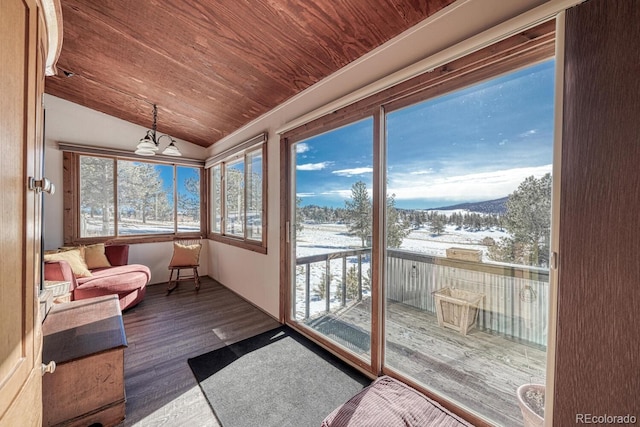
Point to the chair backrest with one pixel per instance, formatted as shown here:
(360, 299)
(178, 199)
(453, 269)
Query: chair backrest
(188, 242)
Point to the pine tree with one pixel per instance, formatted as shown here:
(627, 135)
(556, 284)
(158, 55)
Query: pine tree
(528, 217)
(353, 282)
(528, 220)
(299, 217)
(234, 197)
(321, 287)
(397, 229)
(140, 188)
(437, 226)
(358, 212)
(96, 189)
(189, 201)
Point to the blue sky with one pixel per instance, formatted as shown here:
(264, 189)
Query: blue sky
(184, 172)
(474, 144)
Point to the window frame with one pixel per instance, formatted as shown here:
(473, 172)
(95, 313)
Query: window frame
(71, 197)
(241, 152)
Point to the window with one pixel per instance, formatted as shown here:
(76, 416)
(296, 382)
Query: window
(237, 202)
(126, 197)
(333, 222)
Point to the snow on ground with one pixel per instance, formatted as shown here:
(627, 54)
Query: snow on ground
(317, 239)
(326, 238)
(423, 241)
(90, 227)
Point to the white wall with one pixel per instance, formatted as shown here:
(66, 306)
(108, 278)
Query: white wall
(72, 123)
(256, 276)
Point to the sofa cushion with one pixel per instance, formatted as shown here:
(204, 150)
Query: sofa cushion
(74, 258)
(117, 254)
(95, 257)
(116, 280)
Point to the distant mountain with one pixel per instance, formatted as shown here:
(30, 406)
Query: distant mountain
(497, 206)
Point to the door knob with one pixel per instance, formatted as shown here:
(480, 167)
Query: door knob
(49, 367)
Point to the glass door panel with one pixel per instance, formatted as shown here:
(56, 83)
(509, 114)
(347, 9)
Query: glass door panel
(332, 221)
(467, 289)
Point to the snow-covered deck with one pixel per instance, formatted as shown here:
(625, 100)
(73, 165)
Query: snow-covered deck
(480, 371)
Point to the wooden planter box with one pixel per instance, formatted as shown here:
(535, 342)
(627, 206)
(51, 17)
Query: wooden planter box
(463, 254)
(457, 309)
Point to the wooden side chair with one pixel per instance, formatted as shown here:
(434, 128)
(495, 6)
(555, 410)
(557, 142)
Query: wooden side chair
(186, 256)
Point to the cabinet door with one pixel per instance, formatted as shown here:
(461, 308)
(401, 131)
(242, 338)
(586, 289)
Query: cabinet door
(21, 67)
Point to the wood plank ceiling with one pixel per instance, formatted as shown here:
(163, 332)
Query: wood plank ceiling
(212, 66)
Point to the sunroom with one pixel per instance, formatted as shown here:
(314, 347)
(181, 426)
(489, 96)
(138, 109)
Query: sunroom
(405, 213)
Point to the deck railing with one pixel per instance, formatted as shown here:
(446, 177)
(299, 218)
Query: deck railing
(515, 303)
(327, 260)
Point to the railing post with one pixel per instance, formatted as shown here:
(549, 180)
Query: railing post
(307, 290)
(359, 277)
(327, 284)
(344, 281)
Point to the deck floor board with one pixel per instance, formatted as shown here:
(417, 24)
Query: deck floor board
(481, 371)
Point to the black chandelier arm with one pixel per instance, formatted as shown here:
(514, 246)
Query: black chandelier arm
(171, 140)
(151, 136)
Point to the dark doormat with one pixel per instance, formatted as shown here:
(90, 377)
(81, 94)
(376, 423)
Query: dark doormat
(278, 378)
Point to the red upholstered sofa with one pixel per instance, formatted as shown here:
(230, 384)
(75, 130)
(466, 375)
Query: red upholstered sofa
(127, 281)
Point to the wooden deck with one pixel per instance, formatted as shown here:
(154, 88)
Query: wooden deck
(163, 332)
(480, 371)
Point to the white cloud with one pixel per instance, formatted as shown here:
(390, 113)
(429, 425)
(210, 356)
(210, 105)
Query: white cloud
(313, 166)
(422, 172)
(303, 195)
(528, 133)
(302, 148)
(473, 186)
(343, 194)
(354, 171)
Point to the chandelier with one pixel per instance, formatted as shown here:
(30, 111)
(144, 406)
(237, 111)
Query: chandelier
(150, 144)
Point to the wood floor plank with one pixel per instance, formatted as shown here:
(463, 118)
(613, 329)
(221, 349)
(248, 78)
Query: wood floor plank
(163, 332)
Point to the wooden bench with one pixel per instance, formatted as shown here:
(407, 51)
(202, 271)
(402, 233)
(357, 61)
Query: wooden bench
(86, 339)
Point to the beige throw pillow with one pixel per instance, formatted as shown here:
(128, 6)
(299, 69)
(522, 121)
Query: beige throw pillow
(95, 257)
(75, 260)
(185, 255)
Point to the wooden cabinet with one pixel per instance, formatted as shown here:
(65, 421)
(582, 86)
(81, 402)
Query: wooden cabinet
(86, 339)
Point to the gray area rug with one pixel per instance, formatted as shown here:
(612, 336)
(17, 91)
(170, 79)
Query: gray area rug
(278, 378)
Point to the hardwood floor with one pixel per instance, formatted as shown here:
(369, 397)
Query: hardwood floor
(163, 332)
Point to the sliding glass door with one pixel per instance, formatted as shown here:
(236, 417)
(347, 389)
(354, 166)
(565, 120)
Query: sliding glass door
(419, 224)
(467, 289)
(332, 229)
